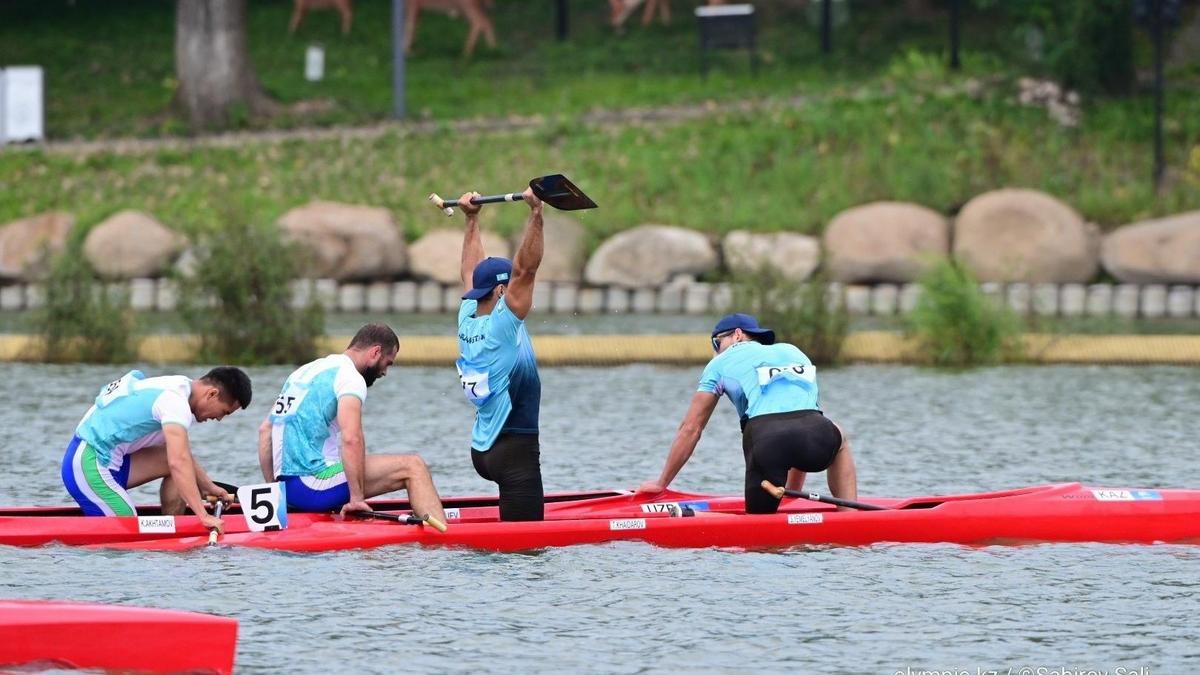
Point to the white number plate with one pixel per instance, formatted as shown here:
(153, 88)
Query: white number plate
(156, 524)
(288, 402)
(115, 389)
(264, 506)
(796, 371)
(475, 386)
(805, 518)
(627, 524)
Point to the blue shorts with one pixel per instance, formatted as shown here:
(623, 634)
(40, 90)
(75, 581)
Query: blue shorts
(324, 492)
(99, 490)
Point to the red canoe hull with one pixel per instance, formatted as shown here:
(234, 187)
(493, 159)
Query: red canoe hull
(1055, 513)
(114, 637)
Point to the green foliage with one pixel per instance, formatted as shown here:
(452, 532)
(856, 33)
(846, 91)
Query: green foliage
(81, 319)
(1086, 44)
(239, 299)
(957, 325)
(799, 312)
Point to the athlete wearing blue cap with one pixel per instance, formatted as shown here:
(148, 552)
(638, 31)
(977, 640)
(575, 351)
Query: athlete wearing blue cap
(496, 365)
(784, 433)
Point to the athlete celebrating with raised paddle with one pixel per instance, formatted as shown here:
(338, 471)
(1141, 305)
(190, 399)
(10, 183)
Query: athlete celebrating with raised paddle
(496, 365)
(784, 433)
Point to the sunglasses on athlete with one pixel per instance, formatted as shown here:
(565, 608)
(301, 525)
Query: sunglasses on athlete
(716, 339)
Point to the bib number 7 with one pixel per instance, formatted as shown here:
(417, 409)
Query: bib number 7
(264, 506)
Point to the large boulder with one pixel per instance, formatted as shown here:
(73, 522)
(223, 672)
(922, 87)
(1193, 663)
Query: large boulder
(1025, 235)
(132, 244)
(885, 242)
(24, 243)
(794, 256)
(346, 241)
(1162, 251)
(649, 256)
(565, 248)
(438, 254)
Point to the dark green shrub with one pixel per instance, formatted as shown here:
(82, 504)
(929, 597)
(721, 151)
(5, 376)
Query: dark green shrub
(957, 325)
(800, 312)
(238, 301)
(81, 319)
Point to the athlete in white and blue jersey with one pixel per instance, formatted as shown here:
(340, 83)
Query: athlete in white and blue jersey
(312, 439)
(496, 365)
(137, 431)
(774, 389)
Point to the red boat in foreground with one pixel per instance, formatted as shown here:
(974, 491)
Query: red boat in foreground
(1067, 512)
(44, 633)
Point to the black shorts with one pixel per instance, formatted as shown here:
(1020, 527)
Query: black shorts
(513, 463)
(773, 444)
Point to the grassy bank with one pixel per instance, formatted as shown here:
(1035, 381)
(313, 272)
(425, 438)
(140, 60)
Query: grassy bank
(110, 65)
(781, 168)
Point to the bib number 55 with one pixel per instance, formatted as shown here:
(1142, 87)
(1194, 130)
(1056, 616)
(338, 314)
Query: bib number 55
(265, 506)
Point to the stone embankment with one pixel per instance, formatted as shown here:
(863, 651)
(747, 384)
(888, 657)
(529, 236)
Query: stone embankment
(1028, 248)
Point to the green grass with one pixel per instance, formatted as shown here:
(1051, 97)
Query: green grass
(874, 125)
(781, 169)
(110, 65)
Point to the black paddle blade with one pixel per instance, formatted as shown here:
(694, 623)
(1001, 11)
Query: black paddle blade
(561, 193)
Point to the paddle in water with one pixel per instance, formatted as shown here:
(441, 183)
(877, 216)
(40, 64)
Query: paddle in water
(779, 493)
(407, 519)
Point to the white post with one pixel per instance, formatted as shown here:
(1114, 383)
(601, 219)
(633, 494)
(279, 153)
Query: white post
(21, 107)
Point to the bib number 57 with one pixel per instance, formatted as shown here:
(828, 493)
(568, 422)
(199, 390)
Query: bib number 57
(264, 506)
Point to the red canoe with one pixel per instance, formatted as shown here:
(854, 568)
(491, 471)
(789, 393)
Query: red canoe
(114, 637)
(39, 525)
(1051, 513)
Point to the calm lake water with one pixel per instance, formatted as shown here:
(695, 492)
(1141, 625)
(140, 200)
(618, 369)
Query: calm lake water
(629, 607)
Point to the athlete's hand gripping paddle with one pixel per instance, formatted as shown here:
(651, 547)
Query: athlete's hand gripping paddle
(217, 511)
(778, 493)
(555, 190)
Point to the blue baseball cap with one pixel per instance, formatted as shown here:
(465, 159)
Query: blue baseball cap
(749, 326)
(488, 274)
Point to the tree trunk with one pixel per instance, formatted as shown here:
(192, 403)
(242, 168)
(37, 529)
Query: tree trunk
(212, 63)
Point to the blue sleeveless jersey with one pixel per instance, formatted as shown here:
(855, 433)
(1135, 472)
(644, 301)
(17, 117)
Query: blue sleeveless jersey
(763, 379)
(498, 373)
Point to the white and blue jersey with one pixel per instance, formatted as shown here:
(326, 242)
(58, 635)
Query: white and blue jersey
(128, 415)
(763, 379)
(305, 436)
(498, 373)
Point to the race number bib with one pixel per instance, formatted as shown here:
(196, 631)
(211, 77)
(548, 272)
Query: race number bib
(264, 506)
(475, 386)
(796, 371)
(288, 402)
(117, 388)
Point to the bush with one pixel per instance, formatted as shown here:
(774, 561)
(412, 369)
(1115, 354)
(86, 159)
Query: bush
(957, 325)
(82, 320)
(238, 302)
(798, 312)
